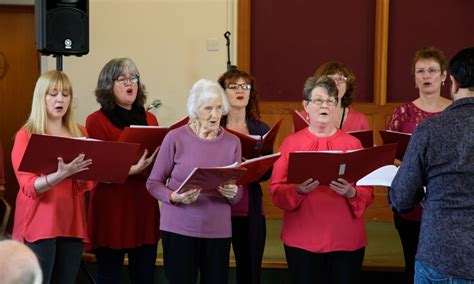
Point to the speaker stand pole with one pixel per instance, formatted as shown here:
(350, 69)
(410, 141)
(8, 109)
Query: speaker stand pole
(59, 62)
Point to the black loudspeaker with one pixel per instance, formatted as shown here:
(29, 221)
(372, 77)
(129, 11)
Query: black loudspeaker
(62, 27)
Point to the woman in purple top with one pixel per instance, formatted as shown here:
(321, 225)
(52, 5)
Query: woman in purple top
(196, 228)
(429, 67)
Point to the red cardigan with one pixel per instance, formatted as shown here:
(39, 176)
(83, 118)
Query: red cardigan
(120, 215)
(321, 221)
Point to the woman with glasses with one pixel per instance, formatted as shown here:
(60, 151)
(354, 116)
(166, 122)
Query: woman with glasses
(50, 209)
(323, 230)
(430, 70)
(346, 118)
(122, 218)
(196, 227)
(248, 220)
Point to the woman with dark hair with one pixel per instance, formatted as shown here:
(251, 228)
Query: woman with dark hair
(122, 218)
(248, 220)
(346, 118)
(430, 70)
(323, 228)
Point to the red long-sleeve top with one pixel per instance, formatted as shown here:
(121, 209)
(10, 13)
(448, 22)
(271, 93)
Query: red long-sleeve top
(322, 220)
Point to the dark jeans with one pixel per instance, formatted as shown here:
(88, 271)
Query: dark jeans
(59, 258)
(248, 252)
(184, 256)
(409, 232)
(337, 267)
(141, 264)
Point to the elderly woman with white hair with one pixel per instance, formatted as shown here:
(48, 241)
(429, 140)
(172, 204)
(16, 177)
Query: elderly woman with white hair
(196, 228)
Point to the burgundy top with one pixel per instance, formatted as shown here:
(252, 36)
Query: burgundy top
(404, 119)
(120, 215)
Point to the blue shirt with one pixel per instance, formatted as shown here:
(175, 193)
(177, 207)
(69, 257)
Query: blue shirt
(440, 156)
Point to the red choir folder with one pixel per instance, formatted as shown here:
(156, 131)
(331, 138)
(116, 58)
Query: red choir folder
(149, 137)
(208, 179)
(366, 137)
(256, 168)
(299, 122)
(254, 145)
(330, 165)
(111, 161)
(401, 138)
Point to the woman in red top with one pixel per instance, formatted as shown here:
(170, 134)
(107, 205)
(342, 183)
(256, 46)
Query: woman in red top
(323, 230)
(122, 218)
(430, 69)
(50, 209)
(346, 118)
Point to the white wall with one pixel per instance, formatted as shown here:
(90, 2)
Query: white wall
(167, 39)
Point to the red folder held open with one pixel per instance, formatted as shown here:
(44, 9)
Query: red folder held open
(149, 137)
(401, 138)
(256, 168)
(366, 137)
(299, 122)
(111, 161)
(208, 179)
(254, 146)
(328, 166)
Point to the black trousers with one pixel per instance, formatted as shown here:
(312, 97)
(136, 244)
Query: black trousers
(184, 256)
(141, 264)
(409, 232)
(338, 267)
(248, 249)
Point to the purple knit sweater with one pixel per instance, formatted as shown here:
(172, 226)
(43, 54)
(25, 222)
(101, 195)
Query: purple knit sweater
(180, 152)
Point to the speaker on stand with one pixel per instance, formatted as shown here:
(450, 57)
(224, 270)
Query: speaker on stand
(62, 28)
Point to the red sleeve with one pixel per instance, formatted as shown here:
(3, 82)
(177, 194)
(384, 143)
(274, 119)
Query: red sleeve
(26, 180)
(151, 119)
(95, 127)
(364, 197)
(284, 195)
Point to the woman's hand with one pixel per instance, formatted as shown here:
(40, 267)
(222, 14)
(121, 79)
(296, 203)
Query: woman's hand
(45, 183)
(187, 197)
(75, 166)
(307, 186)
(143, 163)
(344, 188)
(228, 190)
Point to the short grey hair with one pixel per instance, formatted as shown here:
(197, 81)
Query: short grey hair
(203, 91)
(320, 81)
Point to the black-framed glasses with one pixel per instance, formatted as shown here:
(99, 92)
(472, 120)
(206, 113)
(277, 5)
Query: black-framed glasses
(245, 86)
(133, 80)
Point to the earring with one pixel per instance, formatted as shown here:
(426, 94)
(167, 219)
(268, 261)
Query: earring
(442, 83)
(416, 86)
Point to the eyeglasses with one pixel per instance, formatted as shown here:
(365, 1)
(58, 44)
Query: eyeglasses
(246, 86)
(339, 79)
(320, 102)
(431, 71)
(133, 80)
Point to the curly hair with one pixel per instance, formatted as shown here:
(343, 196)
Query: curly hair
(331, 68)
(252, 110)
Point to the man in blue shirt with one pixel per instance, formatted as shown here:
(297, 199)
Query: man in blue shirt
(440, 157)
